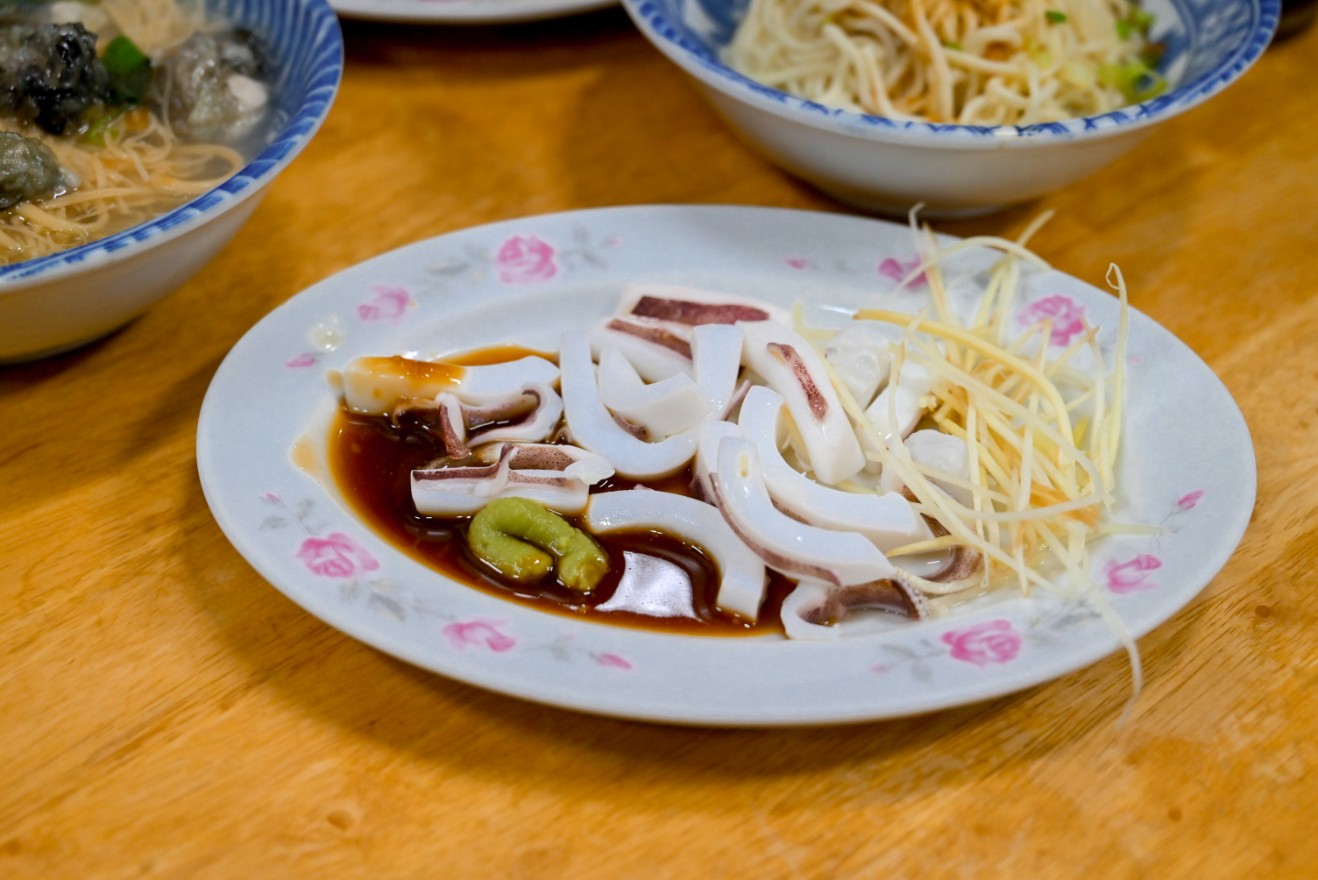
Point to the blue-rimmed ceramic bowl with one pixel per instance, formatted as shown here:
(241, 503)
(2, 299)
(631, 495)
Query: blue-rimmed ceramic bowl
(888, 165)
(54, 303)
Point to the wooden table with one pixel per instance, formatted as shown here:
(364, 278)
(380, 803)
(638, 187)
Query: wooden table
(167, 713)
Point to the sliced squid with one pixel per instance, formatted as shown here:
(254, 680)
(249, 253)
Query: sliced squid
(945, 456)
(693, 306)
(861, 356)
(571, 461)
(536, 424)
(709, 436)
(590, 424)
(676, 363)
(798, 610)
(741, 571)
(441, 418)
(531, 414)
(716, 364)
(463, 490)
(375, 385)
(814, 609)
(899, 406)
(662, 408)
(784, 543)
(789, 365)
(489, 383)
(887, 519)
(655, 350)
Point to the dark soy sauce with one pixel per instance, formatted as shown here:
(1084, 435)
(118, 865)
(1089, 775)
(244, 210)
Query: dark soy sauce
(670, 585)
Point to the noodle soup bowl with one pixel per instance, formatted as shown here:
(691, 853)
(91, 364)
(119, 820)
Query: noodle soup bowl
(58, 302)
(889, 165)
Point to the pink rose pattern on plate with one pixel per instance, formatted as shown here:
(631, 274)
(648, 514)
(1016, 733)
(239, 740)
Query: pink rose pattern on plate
(525, 259)
(1131, 576)
(566, 648)
(1189, 500)
(336, 556)
(993, 641)
(607, 659)
(892, 268)
(998, 641)
(388, 302)
(1183, 505)
(1065, 316)
(301, 361)
(898, 270)
(479, 633)
(339, 557)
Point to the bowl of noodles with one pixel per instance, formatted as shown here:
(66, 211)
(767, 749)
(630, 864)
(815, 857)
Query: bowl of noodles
(136, 138)
(962, 106)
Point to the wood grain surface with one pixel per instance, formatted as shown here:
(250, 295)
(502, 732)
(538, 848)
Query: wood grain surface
(165, 713)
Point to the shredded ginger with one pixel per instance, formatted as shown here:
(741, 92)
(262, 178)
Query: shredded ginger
(1043, 433)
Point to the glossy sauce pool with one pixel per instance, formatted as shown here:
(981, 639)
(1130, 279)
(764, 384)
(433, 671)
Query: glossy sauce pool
(671, 587)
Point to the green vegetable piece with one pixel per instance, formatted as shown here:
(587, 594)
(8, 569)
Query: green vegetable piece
(522, 539)
(129, 69)
(1055, 16)
(1136, 81)
(99, 121)
(1137, 23)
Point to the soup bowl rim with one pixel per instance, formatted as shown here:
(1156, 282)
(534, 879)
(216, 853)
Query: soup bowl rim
(322, 79)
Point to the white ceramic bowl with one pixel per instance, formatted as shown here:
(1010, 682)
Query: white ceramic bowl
(55, 303)
(888, 165)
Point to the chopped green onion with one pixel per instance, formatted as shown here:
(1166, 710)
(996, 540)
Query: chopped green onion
(1137, 22)
(1038, 53)
(129, 69)
(99, 120)
(1055, 17)
(1135, 80)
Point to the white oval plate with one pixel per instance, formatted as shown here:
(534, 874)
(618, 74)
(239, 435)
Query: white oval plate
(1187, 466)
(464, 11)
